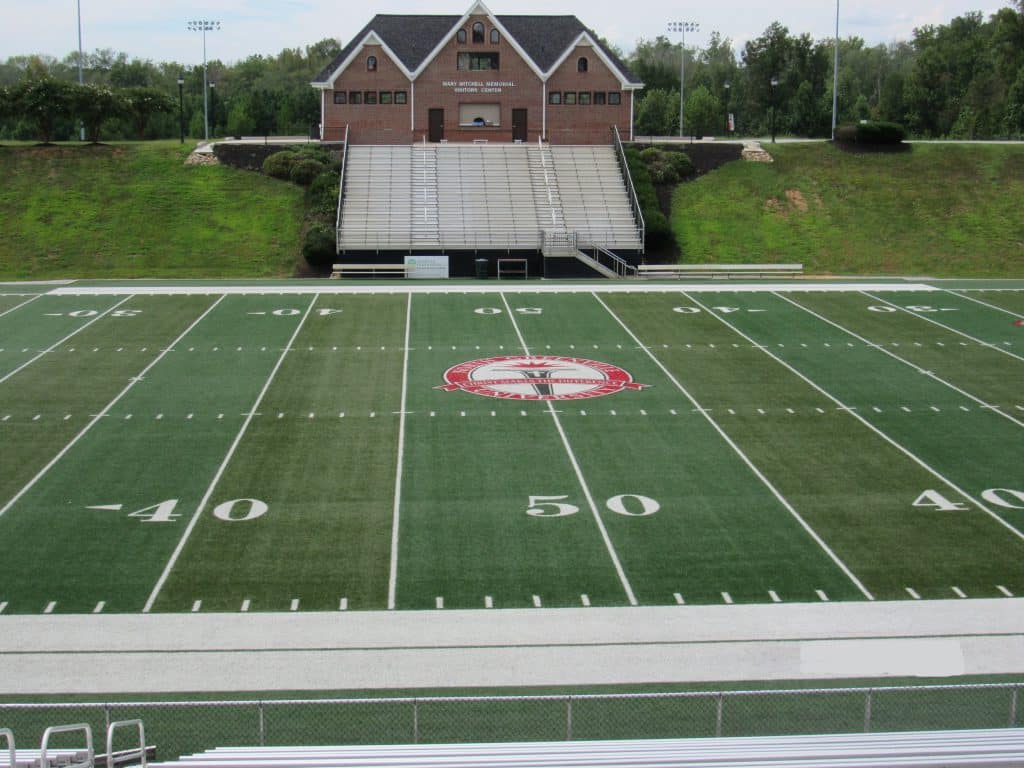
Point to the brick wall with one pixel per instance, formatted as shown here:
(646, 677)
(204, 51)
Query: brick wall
(581, 124)
(369, 124)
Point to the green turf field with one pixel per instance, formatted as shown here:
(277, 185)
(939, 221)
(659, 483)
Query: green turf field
(216, 450)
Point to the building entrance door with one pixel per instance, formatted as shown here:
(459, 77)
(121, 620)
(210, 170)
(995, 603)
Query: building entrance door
(436, 124)
(518, 125)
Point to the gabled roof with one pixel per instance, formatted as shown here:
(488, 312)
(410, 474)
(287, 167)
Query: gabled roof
(412, 38)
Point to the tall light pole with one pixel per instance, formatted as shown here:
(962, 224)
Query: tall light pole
(835, 76)
(728, 87)
(181, 106)
(682, 27)
(204, 26)
(775, 84)
(81, 80)
(213, 105)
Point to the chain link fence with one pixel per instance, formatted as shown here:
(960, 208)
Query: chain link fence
(184, 727)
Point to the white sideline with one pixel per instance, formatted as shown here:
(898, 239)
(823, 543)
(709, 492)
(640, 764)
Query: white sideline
(335, 651)
(486, 286)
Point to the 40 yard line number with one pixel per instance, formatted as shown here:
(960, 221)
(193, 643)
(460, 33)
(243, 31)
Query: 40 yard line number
(233, 511)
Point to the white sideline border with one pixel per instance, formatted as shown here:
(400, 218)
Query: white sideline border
(488, 287)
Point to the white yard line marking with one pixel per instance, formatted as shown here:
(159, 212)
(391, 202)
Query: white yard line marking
(739, 452)
(913, 457)
(536, 601)
(343, 604)
(774, 596)
(52, 347)
(399, 463)
(99, 607)
(913, 593)
(727, 598)
(295, 604)
(679, 598)
(19, 306)
(821, 595)
(1004, 590)
(585, 599)
(246, 605)
(50, 606)
(922, 316)
(906, 362)
(488, 601)
(1011, 313)
(959, 592)
(196, 606)
(439, 602)
(3, 606)
(224, 464)
(96, 417)
(579, 473)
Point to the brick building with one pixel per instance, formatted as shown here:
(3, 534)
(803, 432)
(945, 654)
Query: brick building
(406, 78)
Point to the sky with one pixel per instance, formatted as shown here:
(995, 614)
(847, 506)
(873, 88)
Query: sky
(156, 29)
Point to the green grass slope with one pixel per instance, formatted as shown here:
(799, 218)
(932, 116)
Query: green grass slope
(136, 210)
(950, 210)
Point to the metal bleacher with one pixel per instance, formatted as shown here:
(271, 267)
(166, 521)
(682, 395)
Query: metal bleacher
(84, 756)
(482, 196)
(1002, 747)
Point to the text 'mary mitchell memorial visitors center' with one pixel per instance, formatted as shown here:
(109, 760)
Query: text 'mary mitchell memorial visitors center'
(406, 78)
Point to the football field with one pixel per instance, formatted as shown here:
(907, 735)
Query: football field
(327, 447)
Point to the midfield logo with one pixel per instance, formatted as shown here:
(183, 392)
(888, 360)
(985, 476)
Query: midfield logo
(537, 377)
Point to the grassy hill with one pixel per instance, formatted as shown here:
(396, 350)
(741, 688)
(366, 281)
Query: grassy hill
(135, 210)
(953, 210)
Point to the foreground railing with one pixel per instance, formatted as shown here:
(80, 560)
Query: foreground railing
(341, 193)
(634, 201)
(609, 260)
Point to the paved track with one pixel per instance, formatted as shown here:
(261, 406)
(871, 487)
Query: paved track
(437, 649)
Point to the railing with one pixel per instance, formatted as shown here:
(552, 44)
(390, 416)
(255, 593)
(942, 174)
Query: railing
(182, 727)
(606, 258)
(341, 193)
(555, 242)
(634, 201)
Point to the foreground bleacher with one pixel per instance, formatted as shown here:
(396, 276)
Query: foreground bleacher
(1003, 747)
(83, 756)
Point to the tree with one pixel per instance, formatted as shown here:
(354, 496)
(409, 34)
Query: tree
(43, 102)
(702, 111)
(657, 114)
(142, 103)
(95, 104)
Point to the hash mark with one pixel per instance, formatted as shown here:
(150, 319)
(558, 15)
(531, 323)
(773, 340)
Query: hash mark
(585, 599)
(821, 595)
(913, 593)
(245, 605)
(50, 606)
(488, 601)
(196, 606)
(343, 605)
(536, 601)
(1004, 590)
(99, 607)
(774, 596)
(3, 607)
(727, 598)
(439, 602)
(959, 592)
(965, 409)
(295, 604)
(679, 598)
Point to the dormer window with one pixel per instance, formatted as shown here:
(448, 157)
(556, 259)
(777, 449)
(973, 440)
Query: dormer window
(581, 64)
(495, 37)
(371, 63)
(478, 32)
(461, 35)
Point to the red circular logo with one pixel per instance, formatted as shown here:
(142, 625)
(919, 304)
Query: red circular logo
(537, 377)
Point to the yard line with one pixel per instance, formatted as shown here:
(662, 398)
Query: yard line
(224, 464)
(896, 357)
(579, 473)
(393, 575)
(96, 417)
(19, 306)
(945, 327)
(739, 452)
(1011, 313)
(906, 452)
(57, 344)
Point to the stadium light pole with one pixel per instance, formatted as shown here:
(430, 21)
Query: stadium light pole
(81, 79)
(728, 91)
(181, 105)
(682, 27)
(213, 106)
(835, 77)
(775, 84)
(204, 26)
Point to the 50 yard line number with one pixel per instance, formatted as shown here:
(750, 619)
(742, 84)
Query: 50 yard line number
(557, 506)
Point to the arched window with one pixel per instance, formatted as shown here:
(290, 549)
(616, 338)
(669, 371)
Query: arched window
(461, 35)
(581, 64)
(495, 37)
(371, 63)
(478, 32)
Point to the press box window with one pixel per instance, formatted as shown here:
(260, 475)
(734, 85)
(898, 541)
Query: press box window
(614, 97)
(477, 61)
(555, 97)
(401, 97)
(570, 97)
(370, 97)
(584, 98)
(355, 97)
(479, 115)
(599, 97)
(386, 97)
(340, 97)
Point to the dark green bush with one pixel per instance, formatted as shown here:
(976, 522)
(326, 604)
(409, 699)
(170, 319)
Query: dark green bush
(323, 193)
(666, 166)
(658, 231)
(870, 132)
(279, 164)
(319, 246)
(305, 170)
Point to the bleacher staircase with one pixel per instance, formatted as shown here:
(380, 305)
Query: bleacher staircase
(487, 197)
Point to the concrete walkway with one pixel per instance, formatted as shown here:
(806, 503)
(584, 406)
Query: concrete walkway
(567, 647)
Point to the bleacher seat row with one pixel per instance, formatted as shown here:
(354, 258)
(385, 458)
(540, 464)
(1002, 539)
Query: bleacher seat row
(482, 196)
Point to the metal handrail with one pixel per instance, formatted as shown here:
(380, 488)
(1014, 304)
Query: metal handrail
(84, 727)
(634, 201)
(341, 193)
(13, 753)
(619, 265)
(127, 755)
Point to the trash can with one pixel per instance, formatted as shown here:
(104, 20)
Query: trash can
(481, 269)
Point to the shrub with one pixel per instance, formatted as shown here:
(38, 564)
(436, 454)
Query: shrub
(869, 132)
(279, 164)
(666, 166)
(305, 170)
(658, 231)
(319, 247)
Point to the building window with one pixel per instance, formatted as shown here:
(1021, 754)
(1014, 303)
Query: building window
(495, 37)
(599, 97)
(614, 97)
(461, 35)
(478, 32)
(477, 61)
(555, 97)
(371, 63)
(340, 97)
(570, 97)
(401, 97)
(582, 64)
(355, 97)
(584, 98)
(479, 115)
(370, 97)
(386, 97)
